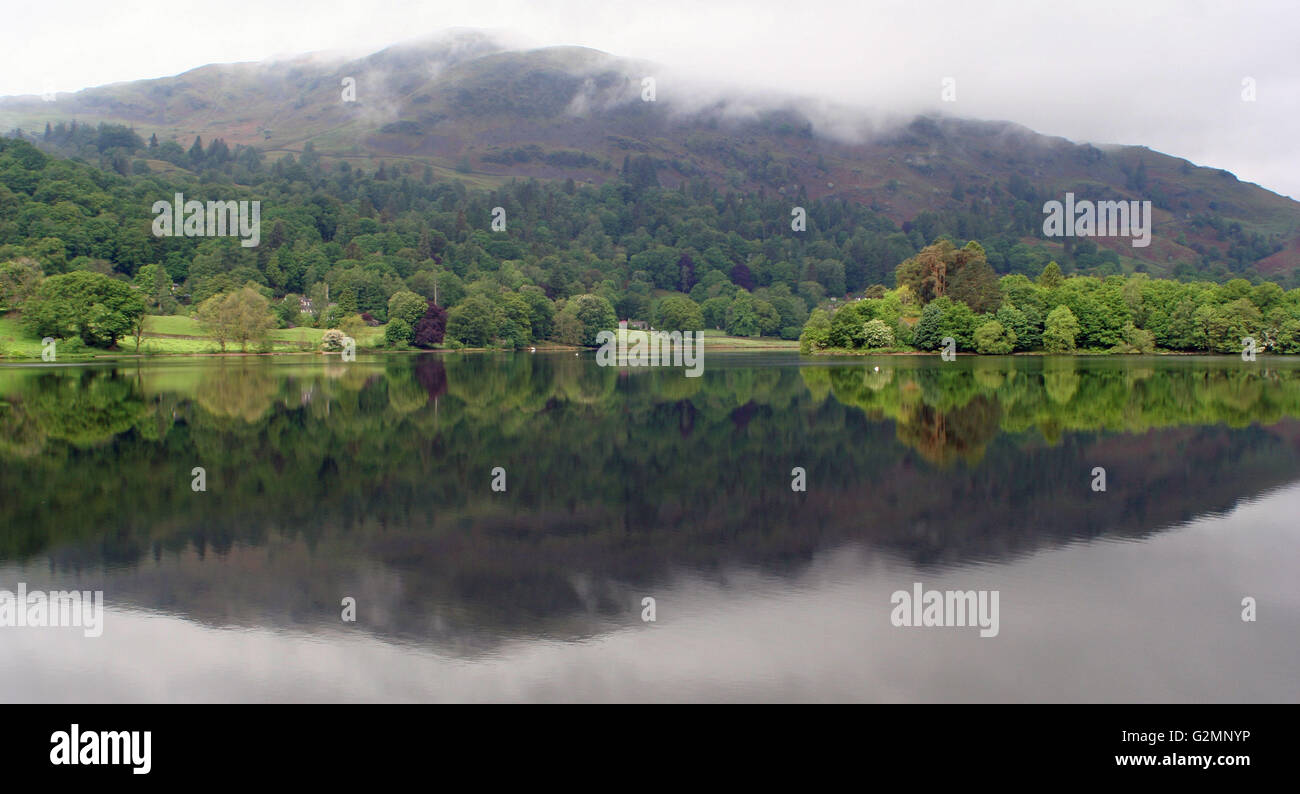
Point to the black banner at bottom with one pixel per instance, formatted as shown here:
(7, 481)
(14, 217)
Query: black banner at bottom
(147, 745)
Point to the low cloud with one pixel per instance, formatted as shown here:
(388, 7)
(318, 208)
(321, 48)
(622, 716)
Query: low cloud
(1166, 73)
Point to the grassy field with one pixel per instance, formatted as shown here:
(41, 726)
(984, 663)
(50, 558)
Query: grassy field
(164, 346)
(717, 340)
(310, 336)
(292, 338)
(14, 341)
(175, 335)
(180, 326)
(178, 336)
(367, 337)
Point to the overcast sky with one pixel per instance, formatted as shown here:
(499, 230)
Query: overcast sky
(1163, 73)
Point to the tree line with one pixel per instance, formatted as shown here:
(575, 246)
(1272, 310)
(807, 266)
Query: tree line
(950, 292)
(345, 241)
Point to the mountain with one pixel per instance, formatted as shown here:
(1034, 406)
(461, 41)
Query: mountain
(476, 110)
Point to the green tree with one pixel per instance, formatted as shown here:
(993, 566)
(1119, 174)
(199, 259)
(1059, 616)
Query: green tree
(517, 324)
(1051, 277)
(1136, 340)
(944, 317)
(593, 314)
(742, 316)
(714, 312)
(568, 329)
(929, 329)
(19, 280)
(1181, 330)
(397, 333)
(353, 325)
(1026, 325)
(211, 316)
(1061, 329)
(1288, 337)
(406, 306)
(241, 316)
(541, 312)
(92, 306)
(287, 310)
(816, 332)
(769, 319)
(318, 294)
(156, 288)
(474, 322)
(992, 338)
(1225, 326)
(137, 331)
(679, 313)
(973, 281)
(1098, 306)
(848, 322)
(793, 314)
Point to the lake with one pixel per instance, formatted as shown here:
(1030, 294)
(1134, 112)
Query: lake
(500, 521)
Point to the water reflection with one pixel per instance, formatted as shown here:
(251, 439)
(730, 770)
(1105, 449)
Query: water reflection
(371, 480)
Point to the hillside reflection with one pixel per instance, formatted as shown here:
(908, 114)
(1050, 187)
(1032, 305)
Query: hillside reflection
(372, 479)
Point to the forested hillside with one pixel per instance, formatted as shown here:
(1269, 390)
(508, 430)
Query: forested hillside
(341, 245)
(468, 109)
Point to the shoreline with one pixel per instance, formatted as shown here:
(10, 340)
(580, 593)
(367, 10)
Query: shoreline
(845, 353)
(124, 355)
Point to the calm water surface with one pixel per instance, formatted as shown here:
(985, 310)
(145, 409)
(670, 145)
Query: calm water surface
(372, 480)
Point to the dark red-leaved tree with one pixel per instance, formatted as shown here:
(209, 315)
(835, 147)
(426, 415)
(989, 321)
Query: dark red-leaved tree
(686, 268)
(742, 277)
(430, 328)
